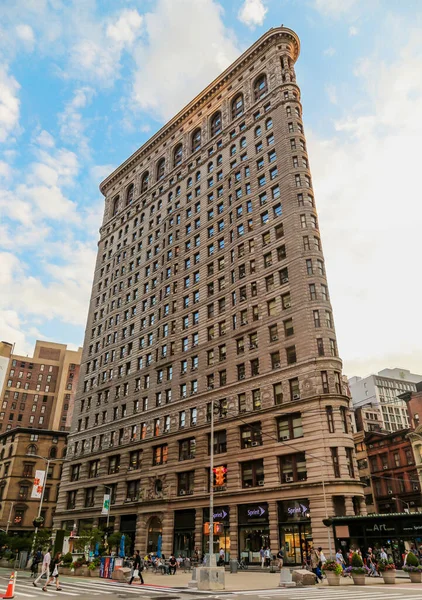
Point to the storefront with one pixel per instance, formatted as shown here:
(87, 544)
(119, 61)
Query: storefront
(184, 532)
(128, 528)
(394, 532)
(254, 531)
(295, 530)
(221, 531)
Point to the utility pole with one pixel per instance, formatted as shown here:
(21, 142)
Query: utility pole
(211, 543)
(12, 504)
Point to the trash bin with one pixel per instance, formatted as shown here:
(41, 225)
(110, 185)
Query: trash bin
(233, 566)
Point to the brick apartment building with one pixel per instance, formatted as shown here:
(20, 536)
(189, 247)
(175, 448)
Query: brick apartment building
(39, 390)
(210, 289)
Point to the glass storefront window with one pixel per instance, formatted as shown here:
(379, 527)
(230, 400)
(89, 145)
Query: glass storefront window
(251, 540)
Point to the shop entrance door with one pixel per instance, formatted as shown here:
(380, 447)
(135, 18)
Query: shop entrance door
(296, 539)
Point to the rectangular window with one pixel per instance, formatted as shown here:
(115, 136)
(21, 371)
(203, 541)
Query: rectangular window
(293, 468)
(185, 483)
(349, 462)
(160, 454)
(336, 466)
(251, 435)
(290, 427)
(252, 473)
(330, 418)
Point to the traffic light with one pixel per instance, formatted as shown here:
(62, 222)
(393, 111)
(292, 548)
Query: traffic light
(220, 476)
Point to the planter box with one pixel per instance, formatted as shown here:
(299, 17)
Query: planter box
(65, 571)
(358, 578)
(332, 578)
(415, 577)
(81, 571)
(94, 572)
(4, 563)
(389, 576)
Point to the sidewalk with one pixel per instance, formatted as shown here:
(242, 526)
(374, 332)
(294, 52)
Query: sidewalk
(250, 580)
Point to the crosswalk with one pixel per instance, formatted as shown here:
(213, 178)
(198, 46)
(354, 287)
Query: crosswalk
(336, 593)
(82, 589)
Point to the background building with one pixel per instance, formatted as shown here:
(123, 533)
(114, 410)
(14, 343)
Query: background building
(39, 391)
(18, 464)
(210, 290)
(383, 390)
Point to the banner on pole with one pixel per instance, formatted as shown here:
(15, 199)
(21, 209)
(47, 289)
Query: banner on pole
(106, 504)
(38, 484)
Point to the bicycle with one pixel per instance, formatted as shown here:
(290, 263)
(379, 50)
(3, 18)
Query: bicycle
(241, 565)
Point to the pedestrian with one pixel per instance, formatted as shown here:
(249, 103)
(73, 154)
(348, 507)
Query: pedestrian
(262, 557)
(340, 559)
(38, 556)
(54, 565)
(322, 558)
(370, 563)
(45, 568)
(280, 557)
(137, 568)
(172, 564)
(222, 557)
(383, 554)
(267, 555)
(315, 561)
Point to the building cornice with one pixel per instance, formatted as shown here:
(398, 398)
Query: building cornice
(202, 98)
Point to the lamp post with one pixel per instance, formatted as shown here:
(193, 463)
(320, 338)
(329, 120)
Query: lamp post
(47, 462)
(9, 520)
(211, 540)
(107, 487)
(403, 502)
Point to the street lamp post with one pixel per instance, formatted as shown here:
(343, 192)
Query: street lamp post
(9, 520)
(403, 502)
(211, 540)
(107, 487)
(47, 462)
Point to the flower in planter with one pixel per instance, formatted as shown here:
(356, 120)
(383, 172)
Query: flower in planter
(386, 565)
(332, 567)
(357, 567)
(412, 564)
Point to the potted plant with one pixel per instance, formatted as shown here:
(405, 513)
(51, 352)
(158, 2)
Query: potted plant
(388, 570)
(79, 568)
(67, 560)
(357, 569)
(94, 568)
(333, 571)
(413, 567)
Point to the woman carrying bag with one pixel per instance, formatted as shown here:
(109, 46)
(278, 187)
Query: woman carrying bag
(55, 563)
(137, 568)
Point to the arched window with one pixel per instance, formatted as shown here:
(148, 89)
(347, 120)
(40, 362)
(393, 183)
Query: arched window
(233, 150)
(115, 205)
(32, 449)
(189, 182)
(196, 140)
(129, 195)
(53, 452)
(178, 155)
(144, 182)
(160, 168)
(260, 87)
(237, 106)
(216, 124)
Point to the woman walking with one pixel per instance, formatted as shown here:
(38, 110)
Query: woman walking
(55, 563)
(137, 568)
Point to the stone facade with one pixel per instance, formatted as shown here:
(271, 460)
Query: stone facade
(18, 464)
(210, 289)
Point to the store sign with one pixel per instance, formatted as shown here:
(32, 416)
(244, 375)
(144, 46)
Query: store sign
(256, 511)
(298, 509)
(380, 528)
(219, 514)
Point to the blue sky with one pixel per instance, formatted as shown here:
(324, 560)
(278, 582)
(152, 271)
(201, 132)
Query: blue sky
(79, 93)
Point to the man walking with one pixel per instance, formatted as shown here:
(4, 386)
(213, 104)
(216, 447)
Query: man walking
(280, 557)
(315, 562)
(45, 569)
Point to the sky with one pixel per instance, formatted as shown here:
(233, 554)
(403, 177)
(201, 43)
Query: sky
(83, 84)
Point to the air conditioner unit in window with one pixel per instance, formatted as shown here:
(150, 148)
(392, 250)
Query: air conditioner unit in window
(416, 488)
(285, 280)
(210, 387)
(390, 492)
(182, 493)
(242, 376)
(243, 322)
(287, 305)
(284, 437)
(288, 479)
(276, 365)
(254, 444)
(296, 396)
(274, 338)
(261, 482)
(385, 467)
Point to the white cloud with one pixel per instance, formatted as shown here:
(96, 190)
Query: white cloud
(44, 139)
(9, 103)
(330, 51)
(5, 170)
(335, 8)
(252, 13)
(331, 93)
(187, 58)
(72, 123)
(370, 212)
(353, 31)
(26, 34)
(126, 28)
(100, 172)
